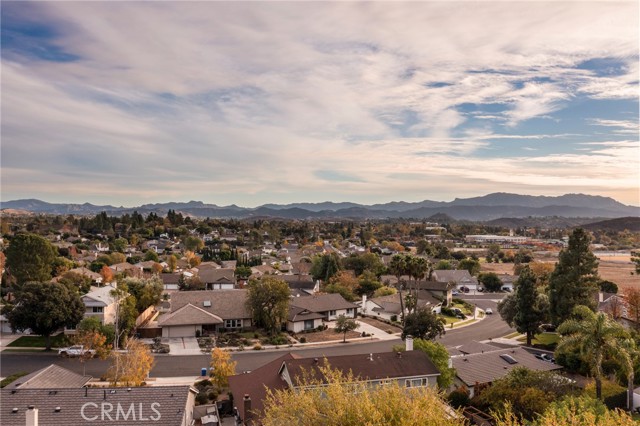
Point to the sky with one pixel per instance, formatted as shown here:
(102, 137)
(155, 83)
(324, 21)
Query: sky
(248, 103)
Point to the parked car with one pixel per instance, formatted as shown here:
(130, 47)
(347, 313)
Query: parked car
(488, 311)
(464, 289)
(76, 351)
(455, 293)
(548, 327)
(546, 357)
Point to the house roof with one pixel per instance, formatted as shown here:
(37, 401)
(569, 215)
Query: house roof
(188, 315)
(101, 294)
(226, 275)
(472, 347)
(170, 278)
(489, 366)
(301, 314)
(256, 383)
(458, 276)
(87, 272)
(227, 304)
(171, 403)
(366, 367)
(323, 302)
(52, 376)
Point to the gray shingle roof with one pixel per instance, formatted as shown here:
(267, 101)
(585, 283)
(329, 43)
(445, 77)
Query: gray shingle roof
(489, 366)
(323, 302)
(301, 314)
(188, 315)
(171, 405)
(227, 304)
(52, 376)
(209, 276)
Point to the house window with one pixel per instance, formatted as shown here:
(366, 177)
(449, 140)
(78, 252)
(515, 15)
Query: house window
(233, 323)
(349, 311)
(332, 313)
(308, 324)
(414, 383)
(97, 309)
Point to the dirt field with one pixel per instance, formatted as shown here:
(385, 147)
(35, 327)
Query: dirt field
(617, 269)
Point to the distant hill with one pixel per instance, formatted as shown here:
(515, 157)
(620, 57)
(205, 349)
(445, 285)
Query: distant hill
(486, 208)
(620, 224)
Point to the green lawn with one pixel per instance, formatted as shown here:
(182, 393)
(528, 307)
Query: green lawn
(57, 341)
(7, 380)
(547, 340)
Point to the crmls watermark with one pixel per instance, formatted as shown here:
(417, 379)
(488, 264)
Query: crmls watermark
(107, 411)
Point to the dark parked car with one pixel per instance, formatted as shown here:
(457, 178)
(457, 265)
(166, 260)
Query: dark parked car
(546, 357)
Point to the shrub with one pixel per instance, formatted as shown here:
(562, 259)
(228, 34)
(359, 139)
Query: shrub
(198, 333)
(303, 339)
(459, 397)
(201, 398)
(257, 347)
(394, 318)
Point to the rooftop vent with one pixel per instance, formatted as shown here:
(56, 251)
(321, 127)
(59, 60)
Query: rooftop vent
(15, 410)
(57, 409)
(508, 358)
(207, 303)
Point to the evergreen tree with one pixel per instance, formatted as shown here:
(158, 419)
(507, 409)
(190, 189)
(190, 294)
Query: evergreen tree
(530, 305)
(30, 258)
(574, 280)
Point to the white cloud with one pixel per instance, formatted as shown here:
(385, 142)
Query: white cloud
(221, 98)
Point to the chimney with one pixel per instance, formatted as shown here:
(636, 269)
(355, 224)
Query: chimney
(409, 343)
(32, 416)
(364, 303)
(247, 406)
(600, 297)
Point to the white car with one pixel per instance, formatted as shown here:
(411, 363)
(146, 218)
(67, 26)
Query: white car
(488, 311)
(75, 351)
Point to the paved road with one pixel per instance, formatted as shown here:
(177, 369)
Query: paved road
(173, 366)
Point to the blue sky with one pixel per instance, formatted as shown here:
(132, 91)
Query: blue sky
(250, 103)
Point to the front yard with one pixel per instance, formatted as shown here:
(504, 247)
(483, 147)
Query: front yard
(57, 341)
(547, 341)
(325, 336)
(382, 325)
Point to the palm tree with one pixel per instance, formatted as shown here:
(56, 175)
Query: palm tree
(596, 336)
(418, 268)
(398, 267)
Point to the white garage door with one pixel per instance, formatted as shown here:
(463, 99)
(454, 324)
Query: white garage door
(182, 331)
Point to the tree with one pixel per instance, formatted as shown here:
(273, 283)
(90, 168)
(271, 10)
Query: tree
(367, 283)
(93, 343)
(490, 281)
(146, 291)
(632, 303)
(221, 367)
(344, 325)
(423, 324)
(417, 267)
(132, 366)
(243, 271)
(595, 336)
(365, 262)
(107, 274)
(76, 282)
(443, 265)
(471, 265)
(570, 411)
(29, 257)
(120, 244)
(608, 286)
(340, 399)
(151, 255)
(438, 354)
(268, 301)
(94, 324)
(384, 291)
(507, 308)
(398, 268)
(528, 392)
(193, 243)
(531, 306)
(635, 258)
(325, 266)
(574, 280)
(45, 308)
(172, 263)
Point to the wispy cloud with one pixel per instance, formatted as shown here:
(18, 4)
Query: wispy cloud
(232, 102)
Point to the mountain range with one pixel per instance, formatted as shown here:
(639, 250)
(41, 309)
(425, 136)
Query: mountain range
(485, 208)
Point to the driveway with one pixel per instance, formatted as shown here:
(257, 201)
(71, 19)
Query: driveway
(183, 346)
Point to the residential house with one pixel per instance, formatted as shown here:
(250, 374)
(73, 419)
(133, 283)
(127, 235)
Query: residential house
(508, 281)
(160, 405)
(302, 285)
(388, 307)
(171, 281)
(486, 366)
(127, 269)
(439, 289)
(301, 319)
(330, 306)
(410, 369)
(100, 303)
(218, 279)
(206, 312)
(462, 279)
(95, 277)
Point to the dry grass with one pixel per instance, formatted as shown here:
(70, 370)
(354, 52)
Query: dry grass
(381, 325)
(327, 335)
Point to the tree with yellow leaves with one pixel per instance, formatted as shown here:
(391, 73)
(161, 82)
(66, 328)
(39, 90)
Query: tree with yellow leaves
(94, 344)
(221, 367)
(341, 400)
(132, 366)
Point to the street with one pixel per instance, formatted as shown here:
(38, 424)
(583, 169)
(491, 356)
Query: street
(175, 366)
